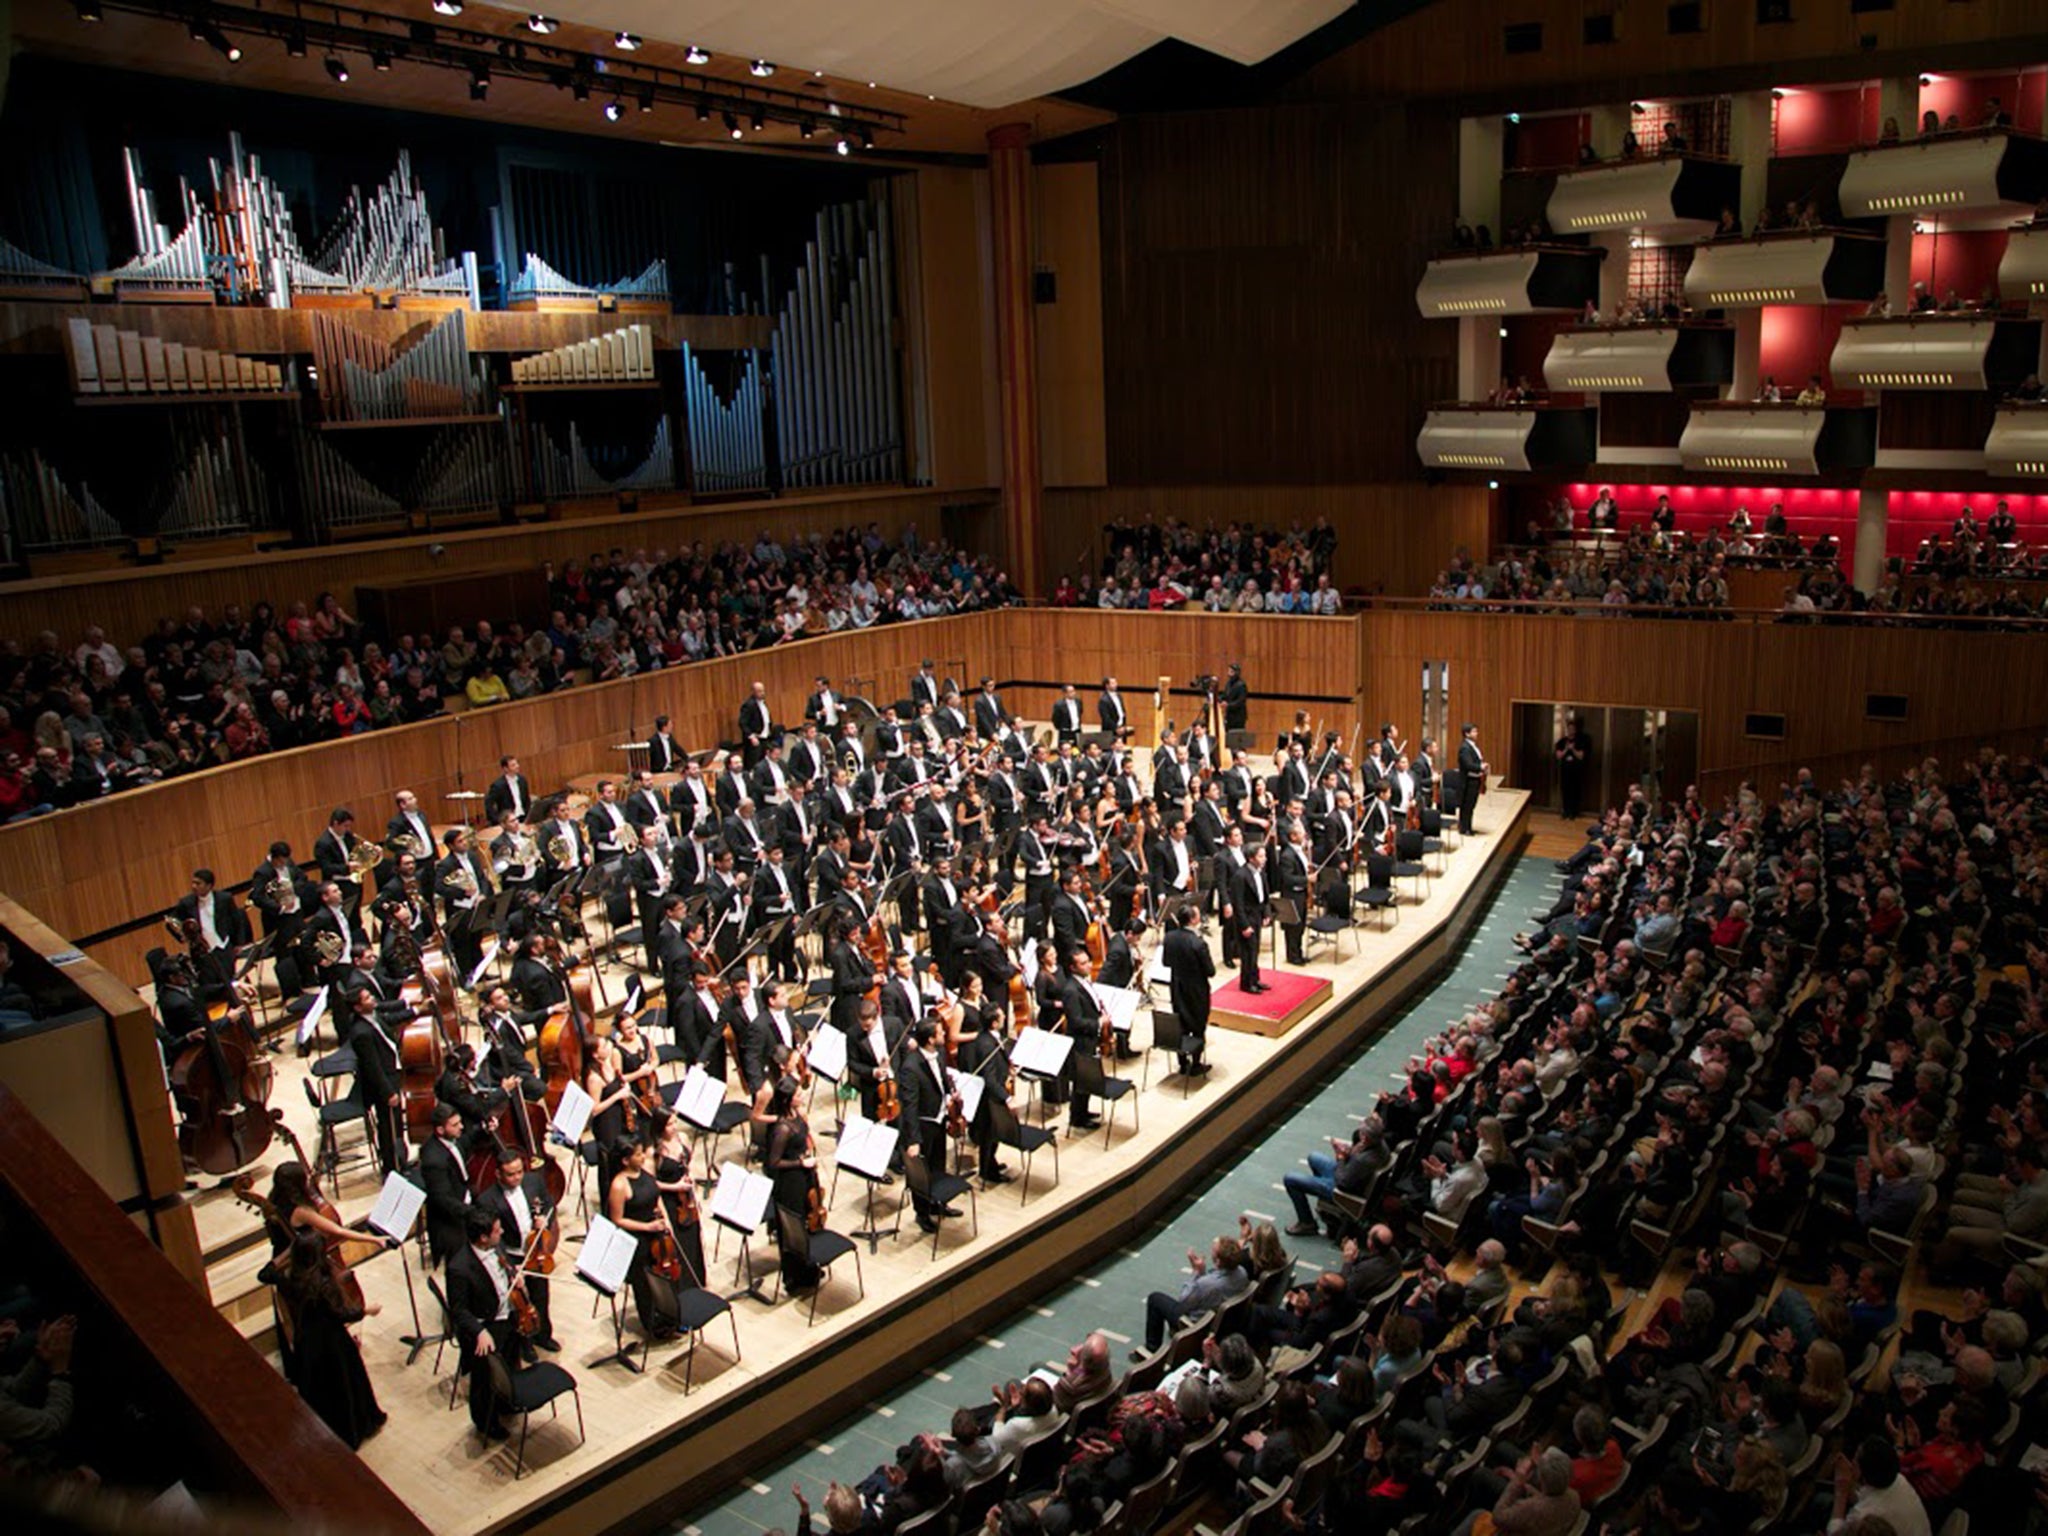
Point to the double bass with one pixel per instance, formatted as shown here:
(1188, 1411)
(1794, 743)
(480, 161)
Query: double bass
(226, 1089)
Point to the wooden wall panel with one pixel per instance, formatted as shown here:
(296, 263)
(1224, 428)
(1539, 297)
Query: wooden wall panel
(128, 602)
(1817, 676)
(1456, 47)
(1072, 447)
(951, 316)
(1259, 278)
(1390, 538)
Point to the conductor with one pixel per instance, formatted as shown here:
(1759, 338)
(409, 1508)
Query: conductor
(1189, 965)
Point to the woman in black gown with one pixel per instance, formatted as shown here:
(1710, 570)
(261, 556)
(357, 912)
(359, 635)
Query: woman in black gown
(634, 1203)
(678, 1190)
(326, 1364)
(793, 1166)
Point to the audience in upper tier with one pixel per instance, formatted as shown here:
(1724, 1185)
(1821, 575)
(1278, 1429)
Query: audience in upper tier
(1235, 569)
(83, 722)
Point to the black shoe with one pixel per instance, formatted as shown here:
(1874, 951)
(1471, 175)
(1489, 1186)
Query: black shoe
(926, 1225)
(549, 1343)
(1199, 1069)
(497, 1432)
(998, 1176)
(949, 1212)
(1076, 1123)
(886, 1180)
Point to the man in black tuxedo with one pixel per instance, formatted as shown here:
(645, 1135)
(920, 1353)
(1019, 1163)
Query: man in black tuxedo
(755, 725)
(1189, 965)
(923, 1088)
(219, 922)
(508, 792)
(478, 1283)
(1236, 699)
(1291, 879)
(446, 1183)
(1248, 911)
(1084, 1012)
(824, 706)
(663, 755)
(505, 1062)
(380, 1077)
(519, 1204)
(988, 710)
(1066, 716)
(1472, 774)
(1110, 713)
(332, 849)
(653, 877)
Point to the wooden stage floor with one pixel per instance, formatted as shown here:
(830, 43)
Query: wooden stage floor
(652, 1450)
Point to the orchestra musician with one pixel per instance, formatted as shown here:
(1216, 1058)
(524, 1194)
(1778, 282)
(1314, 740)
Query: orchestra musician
(690, 799)
(447, 1184)
(791, 1162)
(1066, 715)
(755, 724)
(462, 882)
(1248, 913)
(505, 1059)
(408, 831)
(778, 896)
(988, 711)
(679, 1195)
(926, 1086)
(1472, 776)
(1085, 1014)
(652, 876)
(644, 807)
(983, 1052)
(519, 1203)
(871, 1047)
(507, 792)
(563, 841)
(219, 923)
(1236, 699)
(515, 855)
(479, 1287)
(663, 755)
(1291, 880)
(379, 1077)
(1189, 968)
(924, 685)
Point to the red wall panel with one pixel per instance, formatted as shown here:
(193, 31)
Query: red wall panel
(1544, 143)
(1963, 259)
(1965, 95)
(1797, 340)
(1528, 343)
(1805, 122)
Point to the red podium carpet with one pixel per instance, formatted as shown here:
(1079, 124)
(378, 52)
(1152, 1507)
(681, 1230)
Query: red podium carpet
(1292, 997)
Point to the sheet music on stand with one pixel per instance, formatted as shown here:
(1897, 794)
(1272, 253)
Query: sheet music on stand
(572, 1114)
(1040, 1051)
(1122, 1004)
(606, 1255)
(311, 1021)
(971, 1086)
(1156, 971)
(398, 1206)
(867, 1146)
(827, 1052)
(740, 1200)
(490, 953)
(700, 1098)
(1027, 962)
(636, 993)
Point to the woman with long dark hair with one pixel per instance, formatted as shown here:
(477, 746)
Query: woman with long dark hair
(325, 1363)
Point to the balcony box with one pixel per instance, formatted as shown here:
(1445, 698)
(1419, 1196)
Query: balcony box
(1827, 267)
(1640, 359)
(1736, 438)
(1987, 172)
(2023, 270)
(1676, 195)
(2018, 444)
(1507, 439)
(1529, 281)
(1949, 352)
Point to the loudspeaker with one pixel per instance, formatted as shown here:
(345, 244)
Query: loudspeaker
(1884, 706)
(1764, 727)
(1523, 37)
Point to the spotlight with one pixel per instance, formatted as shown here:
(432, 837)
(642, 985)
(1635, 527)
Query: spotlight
(647, 98)
(88, 10)
(758, 122)
(806, 128)
(1493, 485)
(614, 110)
(380, 60)
(626, 42)
(206, 32)
(1926, 80)
(541, 24)
(867, 138)
(1515, 117)
(295, 42)
(703, 113)
(732, 124)
(1637, 108)
(1777, 95)
(579, 88)
(842, 148)
(448, 7)
(337, 71)
(479, 85)
(695, 55)
(760, 69)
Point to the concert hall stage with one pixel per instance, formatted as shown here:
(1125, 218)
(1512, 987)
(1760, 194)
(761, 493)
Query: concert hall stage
(1290, 997)
(654, 1450)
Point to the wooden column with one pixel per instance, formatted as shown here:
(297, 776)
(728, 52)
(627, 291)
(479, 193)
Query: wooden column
(1009, 176)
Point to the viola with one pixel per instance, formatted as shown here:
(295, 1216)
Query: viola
(342, 1253)
(887, 1106)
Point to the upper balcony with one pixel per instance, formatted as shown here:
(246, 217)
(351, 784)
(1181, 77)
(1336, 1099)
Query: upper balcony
(2023, 269)
(1470, 435)
(1934, 350)
(1669, 195)
(1640, 359)
(1828, 266)
(1524, 280)
(2018, 444)
(1991, 173)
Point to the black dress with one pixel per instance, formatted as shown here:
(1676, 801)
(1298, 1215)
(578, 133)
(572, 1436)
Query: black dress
(653, 1297)
(689, 1235)
(793, 1182)
(325, 1363)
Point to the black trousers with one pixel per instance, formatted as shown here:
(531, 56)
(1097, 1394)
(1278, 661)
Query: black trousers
(931, 1146)
(483, 1412)
(1248, 955)
(387, 1125)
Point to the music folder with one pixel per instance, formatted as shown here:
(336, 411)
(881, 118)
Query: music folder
(741, 1198)
(311, 1021)
(490, 953)
(970, 1086)
(572, 1114)
(606, 1255)
(700, 1098)
(1027, 962)
(1122, 1005)
(398, 1206)
(867, 1146)
(827, 1052)
(1041, 1052)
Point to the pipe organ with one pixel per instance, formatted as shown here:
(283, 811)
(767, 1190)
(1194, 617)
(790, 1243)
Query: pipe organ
(728, 444)
(617, 357)
(540, 287)
(41, 511)
(429, 374)
(23, 277)
(217, 487)
(108, 361)
(837, 414)
(558, 472)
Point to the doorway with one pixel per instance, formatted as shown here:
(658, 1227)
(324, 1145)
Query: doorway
(1656, 748)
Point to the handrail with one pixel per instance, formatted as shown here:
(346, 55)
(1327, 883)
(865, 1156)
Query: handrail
(1578, 607)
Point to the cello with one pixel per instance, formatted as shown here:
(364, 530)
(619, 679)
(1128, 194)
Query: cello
(226, 1088)
(421, 1059)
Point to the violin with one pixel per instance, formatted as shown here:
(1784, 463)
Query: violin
(887, 1106)
(814, 1197)
(664, 1257)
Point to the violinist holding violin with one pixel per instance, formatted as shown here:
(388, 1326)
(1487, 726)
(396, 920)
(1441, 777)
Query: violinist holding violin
(479, 1286)
(679, 1195)
(871, 1047)
(633, 1201)
(982, 1052)
(926, 1104)
(792, 1163)
(519, 1202)
(610, 1093)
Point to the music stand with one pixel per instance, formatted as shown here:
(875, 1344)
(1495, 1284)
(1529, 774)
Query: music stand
(608, 1252)
(867, 1147)
(253, 955)
(741, 1208)
(396, 1215)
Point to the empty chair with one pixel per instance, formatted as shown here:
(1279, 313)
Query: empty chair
(1024, 1140)
(939, 1191)
(1089, 1078)
(1377, 894)
(534, 1386)
(696, 1309)
(823, 1249)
